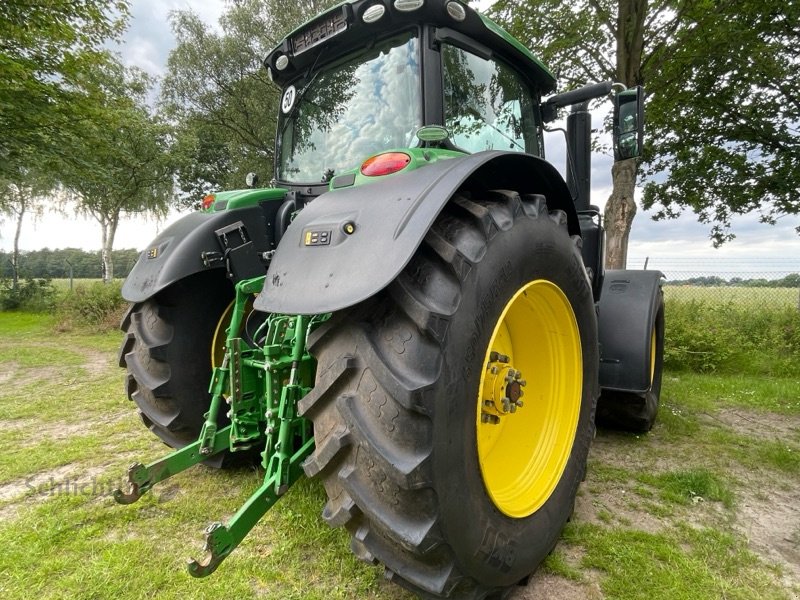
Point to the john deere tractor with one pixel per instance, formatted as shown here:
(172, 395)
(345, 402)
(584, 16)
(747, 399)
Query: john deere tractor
(415, 311)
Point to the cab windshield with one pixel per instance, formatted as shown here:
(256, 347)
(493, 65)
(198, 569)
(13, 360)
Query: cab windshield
(345, 114)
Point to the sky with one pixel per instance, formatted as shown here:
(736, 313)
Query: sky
(678, 247)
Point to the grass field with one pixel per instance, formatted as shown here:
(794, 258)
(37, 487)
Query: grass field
(704, 507)
(753, 296)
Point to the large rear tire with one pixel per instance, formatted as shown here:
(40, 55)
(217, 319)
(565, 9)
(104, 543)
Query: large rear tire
(402, 384)
(167, 353)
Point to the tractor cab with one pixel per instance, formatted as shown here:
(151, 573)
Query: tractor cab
(425, 64)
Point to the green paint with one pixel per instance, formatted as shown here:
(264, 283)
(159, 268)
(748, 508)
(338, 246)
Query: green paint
(242, 198)
(509, 39)
(262, 387)
(420, 157)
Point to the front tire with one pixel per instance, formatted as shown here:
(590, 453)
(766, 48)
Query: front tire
(397, 406)
(628, 411)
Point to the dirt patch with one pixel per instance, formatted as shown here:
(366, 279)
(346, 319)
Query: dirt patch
(616, 506)
(96, 363)
(22, 374)
(18, 425)
(759, 424)
(770, 520)
(552, 587)
(9, 372)
(21, 487)
(58, 431)
(67, 479)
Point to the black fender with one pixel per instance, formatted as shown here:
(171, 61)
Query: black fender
(350, 243)
(177, 252)
(627, 313)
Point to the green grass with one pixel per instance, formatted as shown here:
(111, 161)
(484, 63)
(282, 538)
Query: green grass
(647, 536)
(739, 296)
(687, 486)
(695, 392)
(63, 539)
(680, 563)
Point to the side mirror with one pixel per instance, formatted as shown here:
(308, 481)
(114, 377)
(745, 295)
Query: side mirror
(628, 129)
(251, 180)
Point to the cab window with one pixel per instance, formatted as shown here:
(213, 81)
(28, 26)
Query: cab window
(487, 104)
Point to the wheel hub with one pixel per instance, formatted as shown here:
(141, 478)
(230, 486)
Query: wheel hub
(502, 389)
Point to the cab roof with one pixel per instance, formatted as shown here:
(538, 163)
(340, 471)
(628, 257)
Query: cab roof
(342, 30)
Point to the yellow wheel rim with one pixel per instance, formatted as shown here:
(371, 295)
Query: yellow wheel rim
(221, 332)
(652, 354)
(530, 399)
(220, 335)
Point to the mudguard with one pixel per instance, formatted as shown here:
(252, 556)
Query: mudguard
(350, 243)
(626, 315)
(176, 252)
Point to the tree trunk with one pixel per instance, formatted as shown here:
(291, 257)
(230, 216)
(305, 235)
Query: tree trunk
(23, 205)
(619, 212)
(109, 231)
(621, 208)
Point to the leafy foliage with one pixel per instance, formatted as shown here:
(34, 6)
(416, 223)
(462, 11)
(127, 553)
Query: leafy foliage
(47, 263)
(723, 83)
(94, 304)
(729, 338)
(32, 295)
(725, 116)
(20, 194)
(46, 51)
(121, 165)
(226, 118)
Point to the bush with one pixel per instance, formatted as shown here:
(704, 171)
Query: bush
(32, 295)
(729, 338)
(97, 304)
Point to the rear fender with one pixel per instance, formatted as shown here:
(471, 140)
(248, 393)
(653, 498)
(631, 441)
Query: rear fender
(627, 313)
(350, 243)
(177, 252)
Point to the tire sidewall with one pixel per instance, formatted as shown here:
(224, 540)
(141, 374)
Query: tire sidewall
(493, 548)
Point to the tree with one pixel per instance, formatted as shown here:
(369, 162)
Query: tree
(225, 120)
(723, 99)
(725, 121)
(20, 195)
(597, 40)
(46, 48)
(121, 164)
(625, 41)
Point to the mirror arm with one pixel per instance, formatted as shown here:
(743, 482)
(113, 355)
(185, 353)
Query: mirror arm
(579, 96)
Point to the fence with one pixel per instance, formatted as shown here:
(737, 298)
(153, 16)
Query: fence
(746, 282)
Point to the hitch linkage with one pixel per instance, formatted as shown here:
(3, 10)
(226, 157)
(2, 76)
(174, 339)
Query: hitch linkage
(262, 386)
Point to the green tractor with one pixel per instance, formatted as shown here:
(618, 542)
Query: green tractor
(415, 312)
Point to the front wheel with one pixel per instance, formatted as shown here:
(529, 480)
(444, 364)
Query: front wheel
(453, 412)
(628, 411)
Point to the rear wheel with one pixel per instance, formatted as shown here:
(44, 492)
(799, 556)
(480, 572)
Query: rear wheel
(632, 412)
(431, 456)
(168, 354)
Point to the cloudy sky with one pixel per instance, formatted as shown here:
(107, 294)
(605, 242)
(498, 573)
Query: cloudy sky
(678, 246)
